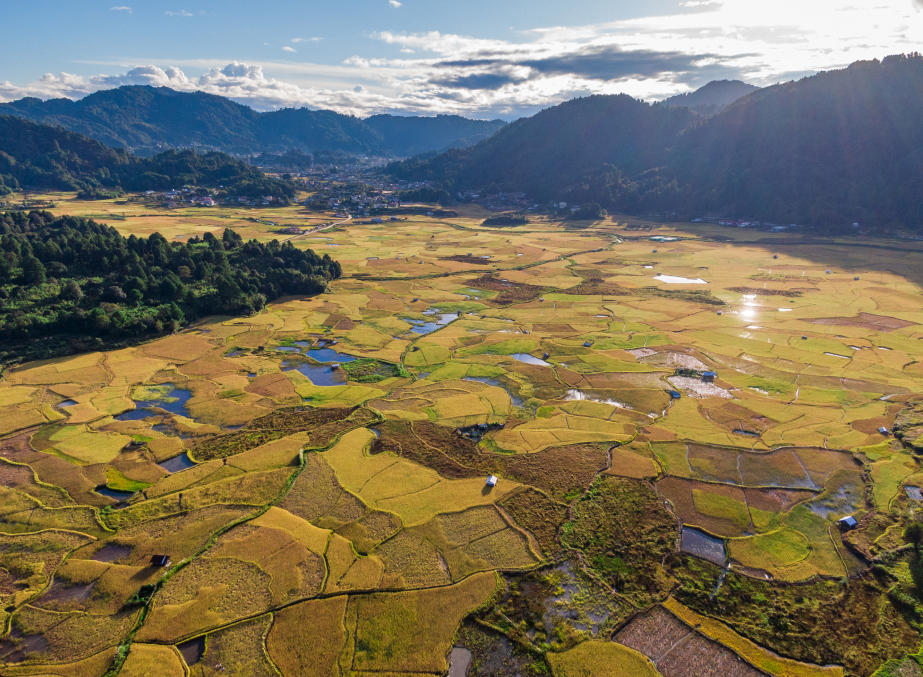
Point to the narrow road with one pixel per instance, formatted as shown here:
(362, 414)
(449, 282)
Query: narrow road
(318, 229)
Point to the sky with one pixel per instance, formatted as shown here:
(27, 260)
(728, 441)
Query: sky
(477, 58)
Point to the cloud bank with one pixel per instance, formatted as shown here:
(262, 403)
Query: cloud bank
(652, 58)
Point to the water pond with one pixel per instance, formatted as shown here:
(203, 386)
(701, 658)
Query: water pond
(529, 359)
(318, 374)
(703, 545)
(459, 660)
(430, 327)
(113, 494)
(517, 401)
(148, 399)
(673, 279)
(177, 463)
(329, 355)
(193, 650)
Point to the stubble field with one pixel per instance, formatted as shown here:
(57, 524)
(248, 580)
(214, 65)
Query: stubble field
(316, 473)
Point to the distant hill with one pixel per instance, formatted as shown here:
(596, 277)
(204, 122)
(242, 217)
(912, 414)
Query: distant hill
(37, 156)
(149, 119)
(713, 97)
(839, 147)
(408, 136)
(545, 152)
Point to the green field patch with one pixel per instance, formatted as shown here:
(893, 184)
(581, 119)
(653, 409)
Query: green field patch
(415, 493)
(116, 481)
(526, 344)
(773, 552)
(340, 396)
(887, 477)
(367, 370)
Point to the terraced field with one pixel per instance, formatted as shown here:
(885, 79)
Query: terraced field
(316, 475)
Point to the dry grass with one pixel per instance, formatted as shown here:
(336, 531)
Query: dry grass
(312, 537)
(94, 666)
(412, 631)
(206, 594)
(296, 572)
(255, 489)
(20, 513)
(237, 650)
(71, 637)
(314, 653)
(347, 570)
(151, 660)
(416, 494)
(597, 658)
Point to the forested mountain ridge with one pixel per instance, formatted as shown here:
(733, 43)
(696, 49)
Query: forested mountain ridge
(151, 118)
(843, 145)
(713, 97)
(558, 144)
(835, 148)
(69, 276)
(42, 157)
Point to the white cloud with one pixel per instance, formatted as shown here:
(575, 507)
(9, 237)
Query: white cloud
(121, 9)
(182, 12)
(394, 3)
(306, 39)
(288, 49)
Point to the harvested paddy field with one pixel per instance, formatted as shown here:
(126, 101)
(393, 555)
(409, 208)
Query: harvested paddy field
(667, 468)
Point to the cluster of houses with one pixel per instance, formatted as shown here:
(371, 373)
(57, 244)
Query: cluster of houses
(746, 223)
(173, 198)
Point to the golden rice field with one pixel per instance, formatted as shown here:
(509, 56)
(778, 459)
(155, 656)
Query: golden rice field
(322, 523)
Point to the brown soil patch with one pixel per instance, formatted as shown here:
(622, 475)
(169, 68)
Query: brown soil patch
(271, 385)
(553, 328)
(597, 287)
(510, 292)
(461, 258)
(679, 651)
(866, 320)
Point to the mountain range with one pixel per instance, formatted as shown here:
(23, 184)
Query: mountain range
(835, 148)
(36, 156)
(148, 119)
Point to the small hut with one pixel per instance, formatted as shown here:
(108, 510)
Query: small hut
(848, 522)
